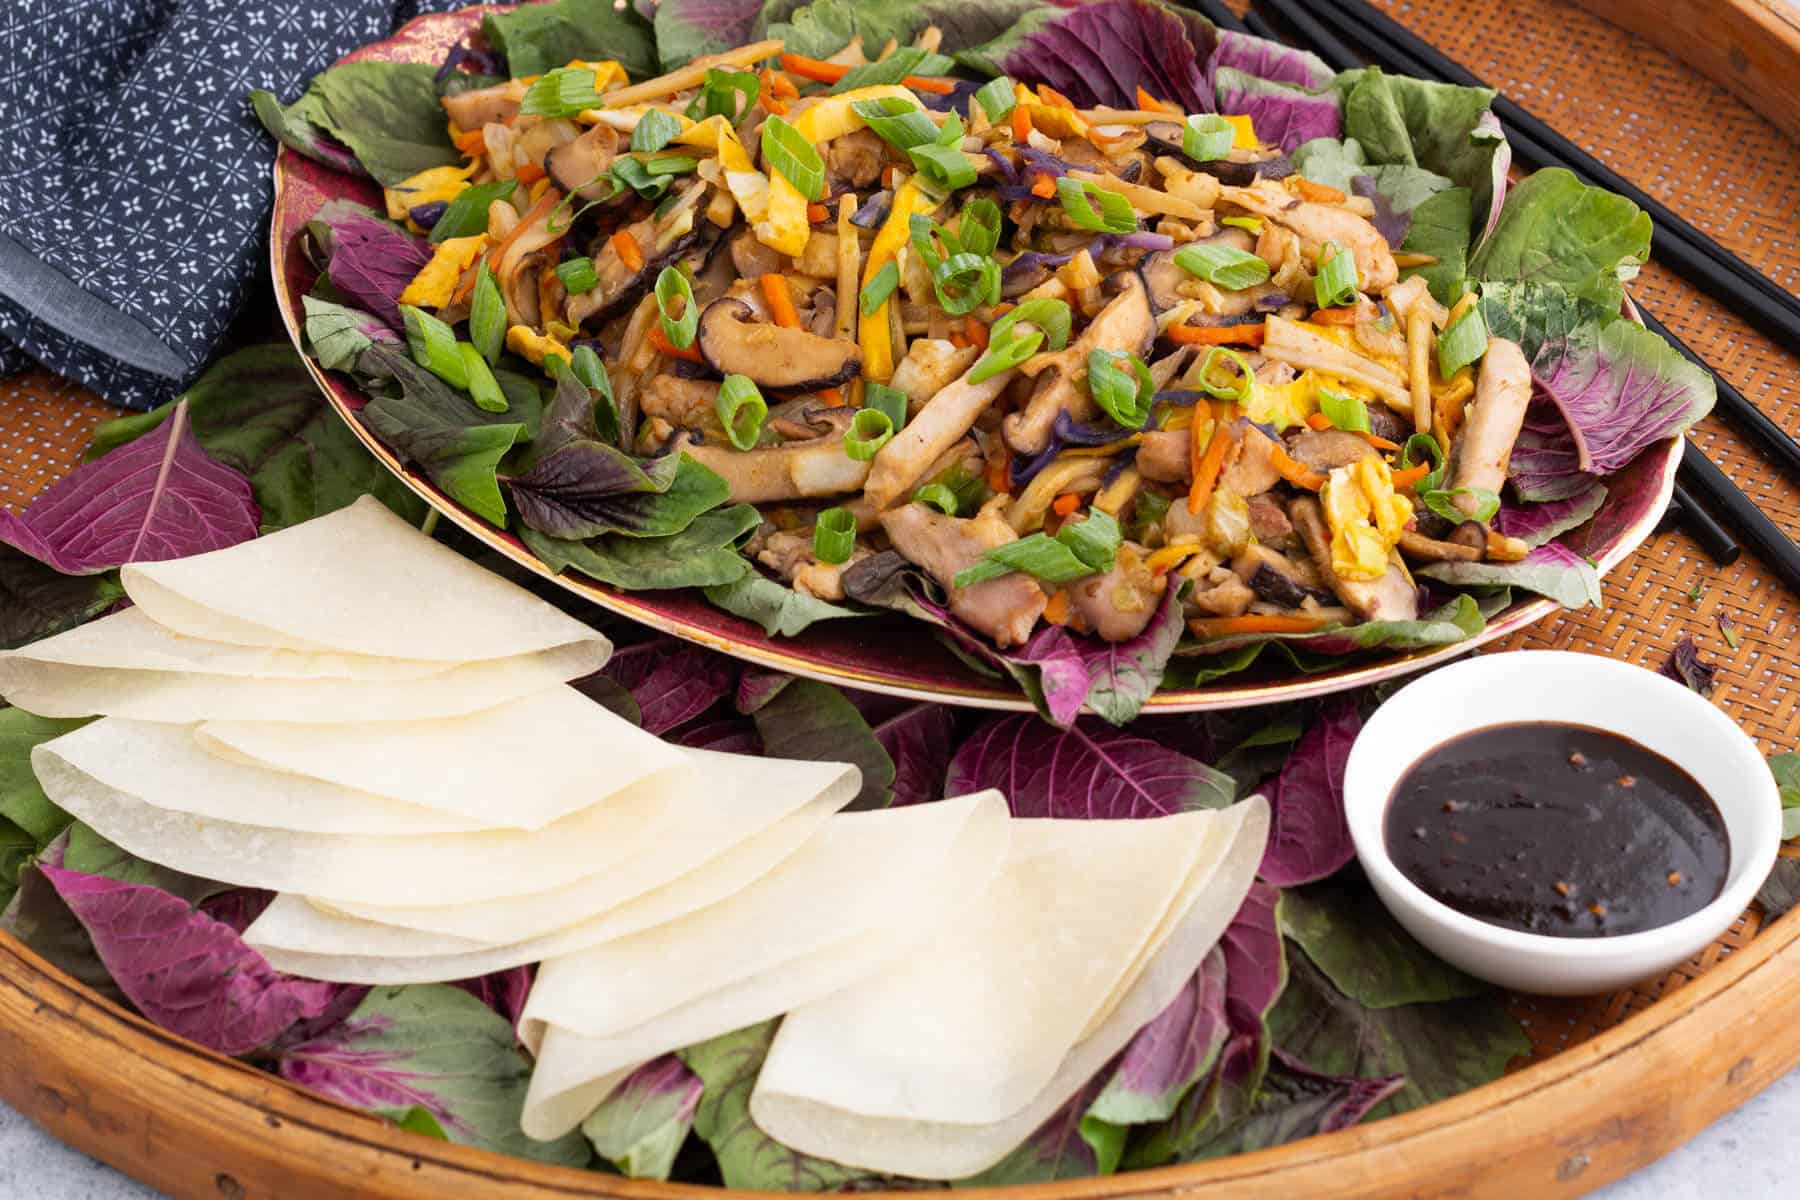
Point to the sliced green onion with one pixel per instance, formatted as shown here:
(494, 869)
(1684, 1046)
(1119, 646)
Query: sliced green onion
(487, 315)
(741, 410)
(1206, 137)
(946, 166)
(797, 160)
(1442, 503)
(484, 389)
(897, 121)
(1222, 266)
(433, 346)
(870, 430)
(907, 60)
(925, 234)
(659, 165)
(1121, 385)
(997, 98)
(1079, 198)
(631, 173)
(1006, 352)
(890, 400)
(965, 282)
(1463, 343)
(878, 289)
(1079, 548)
(468, 213)
(1344, 412)
(591, 371)
(563, 92)
(834, 536)
(1238, 390)
(578, 275)
(1337, 281)
(938, 496)
(1253, 224)
(655, 129)
(1051, 316)
(979, 226)
(719, 92)
(679, 330)
(554, 364)
(1425, 445)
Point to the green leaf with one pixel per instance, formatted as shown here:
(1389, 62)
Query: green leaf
(1350, 936)
(436, 1047)
(1550, 570)
(1785, 768)
(779, 609)
(687, 29)
(813, 721)
(1536, 315)
(1400, 121)
(37, 601)
(258, 411)
(418, 1119)
(1780, 892)
(1442, 1049)
(386, 113)
(17, 850)
(749, 1158)
(821, 29)
(702, 555)
(336, 334)
(640, 1127)
(22, 801)
(1555, 229)
(1440, 227)
(537, 38)
(458, 445)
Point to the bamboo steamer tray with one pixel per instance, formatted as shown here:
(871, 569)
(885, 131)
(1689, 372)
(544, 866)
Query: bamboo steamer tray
(1612, 1083)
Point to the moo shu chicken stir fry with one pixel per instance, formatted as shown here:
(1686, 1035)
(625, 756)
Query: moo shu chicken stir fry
(1063, 360)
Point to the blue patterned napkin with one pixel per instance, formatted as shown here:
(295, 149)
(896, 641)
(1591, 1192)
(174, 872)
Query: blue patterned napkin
(134, 181)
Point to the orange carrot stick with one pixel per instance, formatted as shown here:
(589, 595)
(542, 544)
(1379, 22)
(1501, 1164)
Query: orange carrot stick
(1296, 473)
(1407, 476)
(825, 72)
(816, 213)
(1218, 627)
(1318, 421)
(1045, 184)
(1056, 611)
(1021, 124)
(1342, 315)
(976, 332)
(629, 252)
(471, 142)
(1207, 464)
(1217, 335)
(781, 301)
(1065, 504)
(659, 341)
(1316, 191)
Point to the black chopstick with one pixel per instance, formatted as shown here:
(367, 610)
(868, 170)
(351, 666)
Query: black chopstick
(1216, 12)
(1720, 546)
(1691, 253)
(1701, 476)
(1733, 404)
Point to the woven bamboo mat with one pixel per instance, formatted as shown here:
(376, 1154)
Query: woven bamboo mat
(1680, 137)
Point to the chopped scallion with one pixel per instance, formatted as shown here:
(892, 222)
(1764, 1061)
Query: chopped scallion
(577, 275)
(878, 289)
(979, 226)
(564, 92)
(1337, 280)
(720, 92)
(997, 99)
(741, 410)
(788, 153)
(938, 496)
(1006, 351)
(870, 430)
(1344, 412)
(946, 166)
(1121, 385)
(1463, 343)
(1050, 315)
(1442, 502)
(679, 330)
(1237, 390)
(1253, 224)
(834, 536)
(897, 121)
(965, 282)
(890, 400)
(1222, 266)
(1206, 137)
(484, 389)
(1418, 447)
(433, 346)
(904, 61)
(487, 315)
(1079, 548)
(1094, 208)
(655, 129)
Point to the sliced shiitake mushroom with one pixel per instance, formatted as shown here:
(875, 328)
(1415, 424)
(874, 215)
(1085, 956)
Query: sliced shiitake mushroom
(773, 356)
(1241, 169)
(580, 166)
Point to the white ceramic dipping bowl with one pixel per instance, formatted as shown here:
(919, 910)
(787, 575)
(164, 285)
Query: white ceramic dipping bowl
(1502, 689)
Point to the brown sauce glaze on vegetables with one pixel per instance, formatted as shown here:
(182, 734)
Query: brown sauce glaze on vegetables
(1557, 829)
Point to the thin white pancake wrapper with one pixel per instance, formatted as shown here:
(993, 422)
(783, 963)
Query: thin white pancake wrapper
(741, 797)
(724, 983)
(825, 1049)
(520, 765)
(360, 581)
(303, 939)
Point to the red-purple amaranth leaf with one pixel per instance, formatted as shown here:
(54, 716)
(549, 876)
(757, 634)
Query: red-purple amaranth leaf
(1112, 678)
(641, 1126)
(187, 972)
(1310, 838)
(503, 991)
(1255, 959)
(1101, 53)
(1057, 1149)
(372, 260)
(920, 740)
(1171, 1053)
(158, 497)
(757, 686)
(672, 681)
(727, 735)
(1089, 771)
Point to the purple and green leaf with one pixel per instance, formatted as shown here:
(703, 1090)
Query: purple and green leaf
(1310, 838)
(640, 1127)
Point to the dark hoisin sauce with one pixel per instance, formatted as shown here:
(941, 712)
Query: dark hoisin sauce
(1558, 829)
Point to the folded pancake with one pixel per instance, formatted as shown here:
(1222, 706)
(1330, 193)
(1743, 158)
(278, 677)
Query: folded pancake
(519, 765)
(304, 939)
(441, 868)
(359, 581)
(742, 797)
(908, 1070)
(127, 665)
(871, 887)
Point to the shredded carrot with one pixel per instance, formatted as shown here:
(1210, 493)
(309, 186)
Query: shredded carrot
(1057, 610)
(1021, 124)
(1051, 96)
(783, 86)
(767, 93)
(1207, 464)
(540, 210)
(1044, 185)
(1407, 476)
(471, 142)
(1148, 103)
(825, 72)
(1318, 420)
(659, 341)
(1380, 443)
(816, 213)
(1065, 504)
(832, 397)
(629, 252)
(958, 340)
(1004, 307)
(1217, 335)
(976, 332)
(1161, 562)
(1218, 627)
(530, 173)
(999, 472)
(1343, 315)
(1316, 191)
(887, 175)
(1295, 472)
(781, 301)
